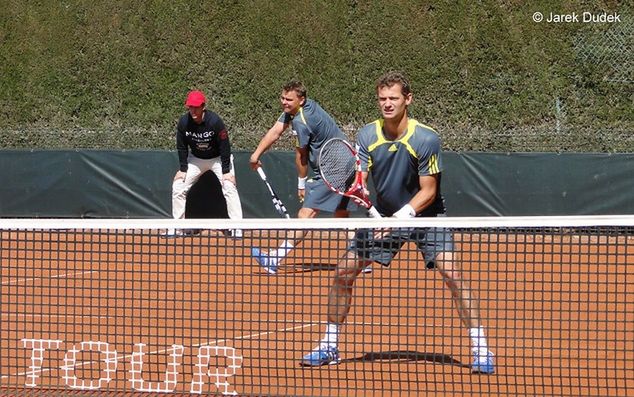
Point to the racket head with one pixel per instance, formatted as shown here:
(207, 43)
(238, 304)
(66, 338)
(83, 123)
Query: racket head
(340, 169)
(338, 165)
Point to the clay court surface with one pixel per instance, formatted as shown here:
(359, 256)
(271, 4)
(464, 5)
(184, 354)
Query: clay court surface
(557, 308)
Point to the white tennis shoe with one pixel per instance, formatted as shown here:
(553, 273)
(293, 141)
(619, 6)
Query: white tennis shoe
(233, 233)
(169, 233)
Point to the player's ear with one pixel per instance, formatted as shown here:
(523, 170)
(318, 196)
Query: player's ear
(408, 98)
(302, 101)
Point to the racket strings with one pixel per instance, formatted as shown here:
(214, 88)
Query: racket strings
(338, 165)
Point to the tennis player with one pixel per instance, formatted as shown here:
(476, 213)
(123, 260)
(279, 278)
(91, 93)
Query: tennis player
(312, 126)
(404, 158)
(202, 143)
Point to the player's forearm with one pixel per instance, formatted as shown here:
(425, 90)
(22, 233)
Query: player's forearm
(182, 150)
(426, 195)
(301, 162)
(302, 172)
(224, 147)
(421, 201)
(182, 160)
(268, 140)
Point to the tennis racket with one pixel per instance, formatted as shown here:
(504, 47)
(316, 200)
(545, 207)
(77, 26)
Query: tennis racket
(279, 206)
(340, 169)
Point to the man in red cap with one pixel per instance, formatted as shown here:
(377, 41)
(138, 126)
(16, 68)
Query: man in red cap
(202, 143)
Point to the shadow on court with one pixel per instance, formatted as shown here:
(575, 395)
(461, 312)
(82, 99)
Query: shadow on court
(292, 268)
(205, 199)
(407, 356)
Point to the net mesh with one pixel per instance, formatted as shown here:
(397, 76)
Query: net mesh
(115, 308)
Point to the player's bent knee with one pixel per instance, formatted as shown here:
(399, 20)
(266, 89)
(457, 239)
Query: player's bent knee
(306, 213)
(345, 278)
(348, 271)
(451, 277)
(346, 275)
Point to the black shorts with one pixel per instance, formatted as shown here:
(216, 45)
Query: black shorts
(430, 241)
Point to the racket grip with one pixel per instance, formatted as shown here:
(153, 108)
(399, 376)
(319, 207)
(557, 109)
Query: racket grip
(261, 173)
(374, 213)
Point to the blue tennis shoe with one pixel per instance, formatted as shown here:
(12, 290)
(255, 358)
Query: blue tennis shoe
(267, 262)
(482, 363)
(321, 355)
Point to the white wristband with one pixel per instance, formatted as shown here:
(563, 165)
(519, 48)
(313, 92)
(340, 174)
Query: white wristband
(301, 182)
(406, 212)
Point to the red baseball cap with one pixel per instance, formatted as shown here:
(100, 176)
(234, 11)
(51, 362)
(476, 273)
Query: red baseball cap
(195, 98)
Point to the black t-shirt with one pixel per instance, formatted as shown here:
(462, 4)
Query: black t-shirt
(206, 140)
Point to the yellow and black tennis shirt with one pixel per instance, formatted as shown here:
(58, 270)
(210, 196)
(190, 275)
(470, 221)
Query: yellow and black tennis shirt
(396, 165)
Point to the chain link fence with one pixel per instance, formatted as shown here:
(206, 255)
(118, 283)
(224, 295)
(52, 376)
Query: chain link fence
(606, 48)
(611, 49)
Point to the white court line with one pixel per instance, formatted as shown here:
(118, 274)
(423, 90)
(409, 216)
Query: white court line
(21, 315)
(27, 280)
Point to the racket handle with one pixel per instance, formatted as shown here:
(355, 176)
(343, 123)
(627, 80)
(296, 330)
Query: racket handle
(374, 213)
(262, 174)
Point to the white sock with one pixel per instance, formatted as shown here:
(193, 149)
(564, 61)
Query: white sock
(478, 340)
(332, 332)
(283, 250)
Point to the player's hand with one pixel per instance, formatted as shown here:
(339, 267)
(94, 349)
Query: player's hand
(301, 193)
(229, 178)
(406, 212)
(180, 175)
(254, 162)
(382, 233)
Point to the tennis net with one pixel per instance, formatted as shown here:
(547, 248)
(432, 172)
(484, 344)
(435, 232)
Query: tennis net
(113, 307)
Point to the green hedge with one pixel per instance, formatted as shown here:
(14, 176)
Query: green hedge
(86, 74)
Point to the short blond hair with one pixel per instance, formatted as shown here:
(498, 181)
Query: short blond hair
(295, 85)
(394, 77)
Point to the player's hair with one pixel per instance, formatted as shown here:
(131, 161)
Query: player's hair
(393, 77)
(295, 85)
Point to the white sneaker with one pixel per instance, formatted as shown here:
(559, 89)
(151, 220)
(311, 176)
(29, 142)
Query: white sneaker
(367, 269)
(169, 233)
(233, 233)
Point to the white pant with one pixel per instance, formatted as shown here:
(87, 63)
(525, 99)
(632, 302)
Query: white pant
(195, 168)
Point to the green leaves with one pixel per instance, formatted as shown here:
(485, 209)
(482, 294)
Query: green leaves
(483, 73)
